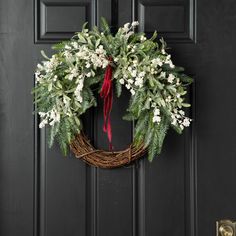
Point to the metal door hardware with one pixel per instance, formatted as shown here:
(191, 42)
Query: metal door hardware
(225, 228)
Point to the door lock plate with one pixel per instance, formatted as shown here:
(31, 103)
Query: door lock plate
(225, 228)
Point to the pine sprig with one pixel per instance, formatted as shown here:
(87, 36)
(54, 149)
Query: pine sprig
(156, 142)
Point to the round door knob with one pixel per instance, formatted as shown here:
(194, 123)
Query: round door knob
(226, 230)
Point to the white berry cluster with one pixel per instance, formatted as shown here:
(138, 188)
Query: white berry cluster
(45, 70)
(81, 63)
(135, 75)
(156, 115)
(50, 117)
(178, 118)
(84, 62)
(128, 29)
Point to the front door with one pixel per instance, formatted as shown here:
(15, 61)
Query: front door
(183, 191)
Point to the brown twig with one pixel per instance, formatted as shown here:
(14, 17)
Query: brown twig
(84, 150)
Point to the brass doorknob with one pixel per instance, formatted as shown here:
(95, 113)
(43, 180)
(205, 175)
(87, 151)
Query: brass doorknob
(226, 230)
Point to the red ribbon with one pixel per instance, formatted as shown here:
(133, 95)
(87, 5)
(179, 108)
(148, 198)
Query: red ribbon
(107, 95)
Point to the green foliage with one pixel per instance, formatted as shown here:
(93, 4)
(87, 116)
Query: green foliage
(136, 104)
(104, 25)
(118, 88)
(52, 133)
(158, 136)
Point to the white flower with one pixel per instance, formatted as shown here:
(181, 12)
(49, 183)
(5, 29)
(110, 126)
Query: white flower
(122, 81)
(55, 78)
(89, 74)
(156, 119)
(129, 34)
(75, 44)
(156, 112)
(116, 59)
(174, 121)
(42, 114)
(170, 78)
(134, 73)
(135, 23)
(130, 81)
(181, 112)
(79, 98)
(168, 99)
(171, 65)
(67, 47)
(153, 104)
(100, 50)
(152, 71)
(163, 51)
(139, 82)
(130, 68)
(38, 77)
(73, 73)
(142, 74)
(132, 91)
(169, 61)
(80, 86)
(128, 86)
(186, 122)
(66, 101)
(40, 67)
(163, 74)
(177, 81)
(142, 38)
(105, 63)
(78, 90)
(54, 117)
(43, 123)
(157, 61)
(126, 27)
(88, 65)
(178, 116)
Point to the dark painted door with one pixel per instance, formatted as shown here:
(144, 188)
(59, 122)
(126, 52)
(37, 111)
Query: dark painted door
(183, 192)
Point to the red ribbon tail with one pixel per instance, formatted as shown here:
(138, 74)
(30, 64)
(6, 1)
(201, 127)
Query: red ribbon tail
(109, 133)
(107, 95)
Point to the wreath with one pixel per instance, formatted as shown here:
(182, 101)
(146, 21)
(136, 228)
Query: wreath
(92, 62)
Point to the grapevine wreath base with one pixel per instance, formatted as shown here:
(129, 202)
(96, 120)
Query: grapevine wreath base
(83, 149)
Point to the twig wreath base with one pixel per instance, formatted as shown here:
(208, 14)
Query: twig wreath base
(83, 149)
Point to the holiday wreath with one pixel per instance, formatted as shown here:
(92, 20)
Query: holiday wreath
(92, 61)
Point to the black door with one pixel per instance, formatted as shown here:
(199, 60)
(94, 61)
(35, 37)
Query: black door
(183, 192)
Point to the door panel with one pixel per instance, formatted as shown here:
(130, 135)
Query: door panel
(56, 20)
(183, 192)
